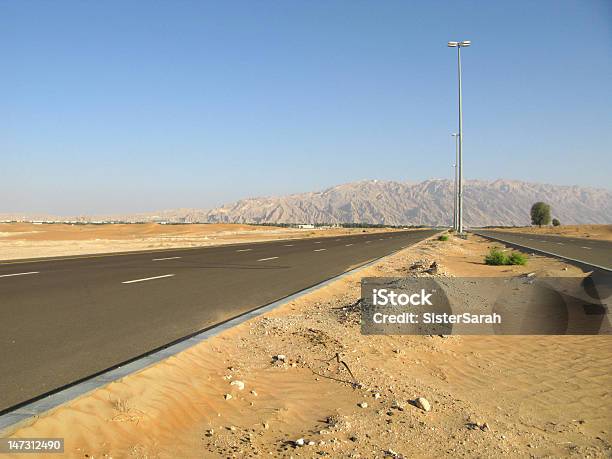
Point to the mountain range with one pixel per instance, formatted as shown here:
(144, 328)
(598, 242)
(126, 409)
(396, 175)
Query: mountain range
(499, 202)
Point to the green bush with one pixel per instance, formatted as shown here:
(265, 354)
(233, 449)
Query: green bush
(498, 258)
(443, 237)
(556, 222)
(517, 258)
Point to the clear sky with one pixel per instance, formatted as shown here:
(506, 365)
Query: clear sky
(126, 106)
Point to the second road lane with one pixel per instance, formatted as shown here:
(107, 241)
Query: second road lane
(62, 320)
(591, 251)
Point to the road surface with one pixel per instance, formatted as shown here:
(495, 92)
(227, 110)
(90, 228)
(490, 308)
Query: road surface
(590, 251)
(62, 320)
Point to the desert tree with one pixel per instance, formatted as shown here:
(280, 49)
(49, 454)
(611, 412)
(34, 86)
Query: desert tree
(540, 214)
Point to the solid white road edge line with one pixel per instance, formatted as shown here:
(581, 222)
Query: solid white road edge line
(244, 250)
(167, 258)
(266, 259)
(19, 274)
(319, 250)
(147, 279)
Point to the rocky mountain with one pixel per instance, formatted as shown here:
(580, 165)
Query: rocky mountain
(501, 202)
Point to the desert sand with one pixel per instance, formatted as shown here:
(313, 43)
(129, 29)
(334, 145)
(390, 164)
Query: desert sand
(28, 240)
(490, 396)
(603, 232)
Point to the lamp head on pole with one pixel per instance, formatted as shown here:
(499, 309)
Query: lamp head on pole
(459, 44)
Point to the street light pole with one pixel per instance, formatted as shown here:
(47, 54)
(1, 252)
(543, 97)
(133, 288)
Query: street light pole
(459, 45)
(455, 166)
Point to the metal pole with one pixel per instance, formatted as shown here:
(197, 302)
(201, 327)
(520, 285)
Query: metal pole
(455, 226)
(460, 159)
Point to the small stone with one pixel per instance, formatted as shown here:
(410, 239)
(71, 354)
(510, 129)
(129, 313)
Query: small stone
(433, 268)
(397, 405)
(238, 384)
(228, 396)
(300, 442)
(311, 443)
(280, 357)
(362, 405)
(232, 428)
(254, 393)
(422, 403)
(210, 432)
(376, 395)
(265, 425)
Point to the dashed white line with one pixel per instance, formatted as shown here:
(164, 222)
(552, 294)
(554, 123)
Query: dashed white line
(319, 250)
(19, 274)
(288, 245)
(348, 245)
(368, 242)
(167, 258)
(588, 248)
(266, 259)
(560, 243)
(146, 279)
(317, 242)
(244, 250)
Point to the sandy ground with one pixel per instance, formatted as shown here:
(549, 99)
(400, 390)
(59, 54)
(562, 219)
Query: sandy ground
(491, 396)
(28, 240)
(603, 232)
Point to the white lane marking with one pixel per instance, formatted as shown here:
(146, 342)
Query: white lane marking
(147, 279)
(288, 245)
(336, 239)
(348, 245)
(319, 250)
(266, 259)
(244, 250)
(588, 248)
(19, 274)
(318, 242)
(367, 242)
(560, 243)
(167, 258)
(381, 239)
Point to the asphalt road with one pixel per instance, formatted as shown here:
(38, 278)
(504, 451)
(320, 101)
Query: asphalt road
(591, 251)
(62, 320)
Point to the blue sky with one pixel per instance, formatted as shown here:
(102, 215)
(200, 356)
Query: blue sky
(133, 106)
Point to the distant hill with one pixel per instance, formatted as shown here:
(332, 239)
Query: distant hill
(501, 202)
